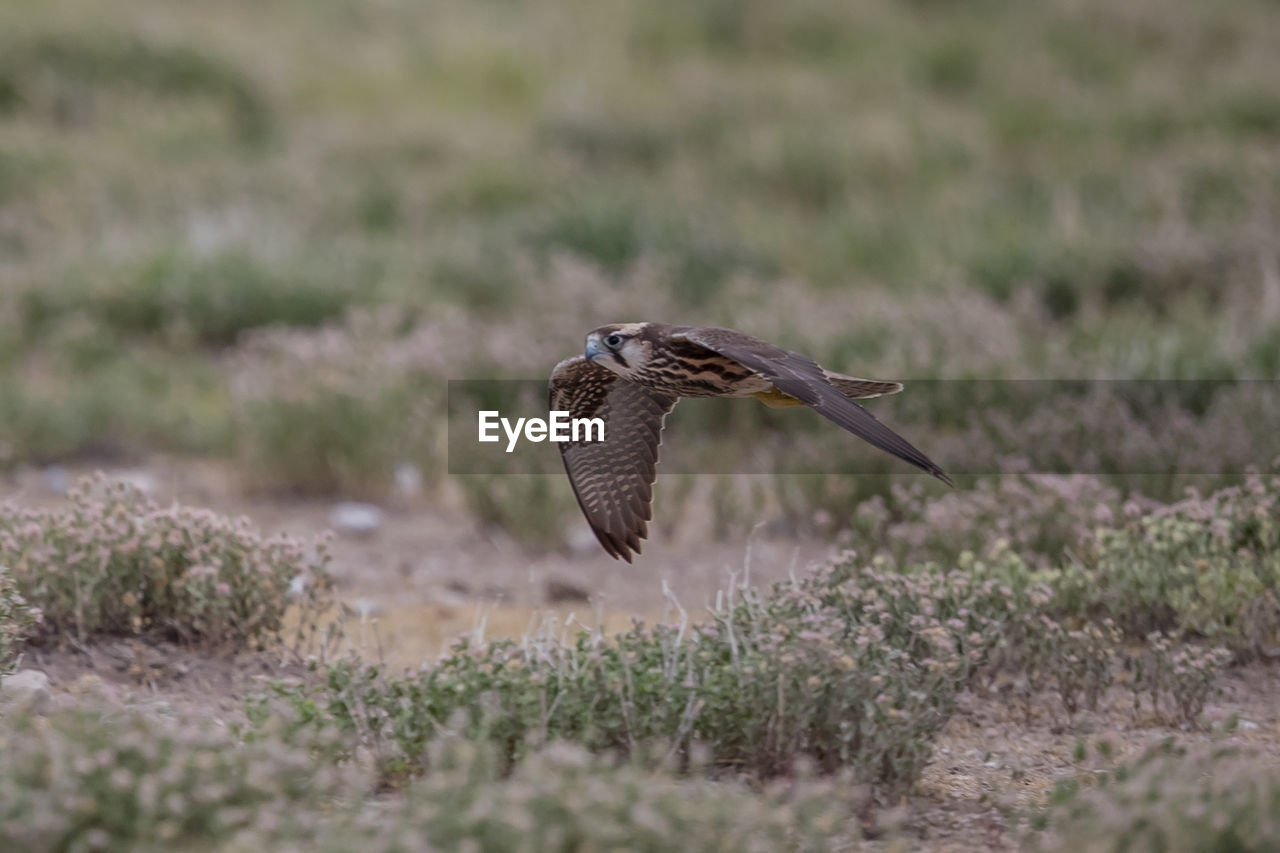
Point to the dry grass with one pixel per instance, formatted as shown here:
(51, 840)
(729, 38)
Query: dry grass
(951, 191)
(405, 637)
(265, 236)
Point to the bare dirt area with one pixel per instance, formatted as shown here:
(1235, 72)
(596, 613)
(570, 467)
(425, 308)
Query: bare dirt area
(132, 671)
(428, 574)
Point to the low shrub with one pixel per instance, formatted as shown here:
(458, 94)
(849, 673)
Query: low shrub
(1038, 516)
(46, 73)
(111, 778)
(110, 407)
(184, 297)
(531, 508)
(1187, 675)
(115, 562)
(853, 668)
(1041, 654)
(1174, 800)
(105, 777)
(16, 621)
(564, 798)
(336, 410)
(1204, 567)
(618, 230)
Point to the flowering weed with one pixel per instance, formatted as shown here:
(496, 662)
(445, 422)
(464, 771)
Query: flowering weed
(1206, 567)
(1218, 797)
(854, 668)
(16, 621)
(110, 778)
(114, 562)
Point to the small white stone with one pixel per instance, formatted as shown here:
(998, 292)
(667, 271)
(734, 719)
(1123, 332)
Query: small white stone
(27, 679)
(28, 688)
(355, 519)
(366, 608)
(1246, 725)
(140, 478)
(57, 479)
(408, 480)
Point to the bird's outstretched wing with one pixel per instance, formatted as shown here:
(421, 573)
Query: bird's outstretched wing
(801, 377)
(613, 478)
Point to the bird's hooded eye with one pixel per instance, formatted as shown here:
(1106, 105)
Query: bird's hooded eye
(613, 341)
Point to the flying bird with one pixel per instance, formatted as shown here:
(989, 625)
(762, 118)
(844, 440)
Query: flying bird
(632, 375)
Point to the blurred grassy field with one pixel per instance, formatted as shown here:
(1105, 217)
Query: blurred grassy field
(271, 231)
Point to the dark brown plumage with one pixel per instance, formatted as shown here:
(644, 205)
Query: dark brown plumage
(612, 479)
(632, 375)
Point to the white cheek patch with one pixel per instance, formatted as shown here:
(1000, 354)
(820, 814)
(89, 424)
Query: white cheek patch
(633, 352)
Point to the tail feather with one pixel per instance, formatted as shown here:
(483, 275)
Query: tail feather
(862, 389)
(850, 386)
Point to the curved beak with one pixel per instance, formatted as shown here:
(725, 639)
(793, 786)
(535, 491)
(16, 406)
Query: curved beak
(594, 350)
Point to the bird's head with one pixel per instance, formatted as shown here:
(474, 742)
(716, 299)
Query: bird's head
(621, 347)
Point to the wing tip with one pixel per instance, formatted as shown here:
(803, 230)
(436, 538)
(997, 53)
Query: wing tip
(625, 551)
(616, 547)
(925, 464)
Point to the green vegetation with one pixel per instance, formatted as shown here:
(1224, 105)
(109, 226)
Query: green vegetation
(1206, 567)
(58, 77)
(104, 778)
(16, 622)
(857, 666)
(115, 563)
(196, 301)
(1223, 797)
(975, 189)
(271, 233)
(565, 799)
(1203, 566)
(854, 670)
(770, 714)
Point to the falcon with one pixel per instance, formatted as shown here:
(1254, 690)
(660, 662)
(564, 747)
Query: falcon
(631, 376)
